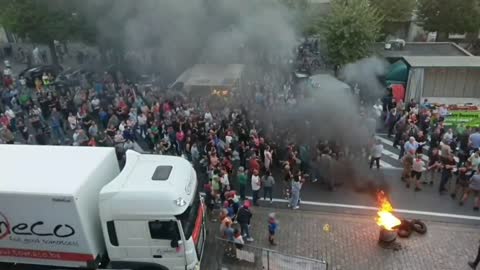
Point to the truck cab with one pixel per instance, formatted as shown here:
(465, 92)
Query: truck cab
(152, 215)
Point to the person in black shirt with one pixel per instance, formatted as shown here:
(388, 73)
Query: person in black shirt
(434, 164)
(447, 168)
(463, 177)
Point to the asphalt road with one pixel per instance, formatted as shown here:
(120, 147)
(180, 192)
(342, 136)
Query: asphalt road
(357, 194)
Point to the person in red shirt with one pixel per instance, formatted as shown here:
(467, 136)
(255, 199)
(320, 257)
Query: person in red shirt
(4, 120)
(92, 142)
(254, 164)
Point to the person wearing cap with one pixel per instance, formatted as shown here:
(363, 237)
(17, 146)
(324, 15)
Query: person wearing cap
(272, 228)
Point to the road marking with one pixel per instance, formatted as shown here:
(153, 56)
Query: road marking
(395, 156)
(390, 154)
(388, 142)
(384, 141)
(364, 207)
(385, 165)
(404, 211)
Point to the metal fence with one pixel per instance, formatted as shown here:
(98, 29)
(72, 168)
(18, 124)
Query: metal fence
(234, 257)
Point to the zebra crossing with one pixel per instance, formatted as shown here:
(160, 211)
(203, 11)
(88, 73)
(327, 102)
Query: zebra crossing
(389, 158)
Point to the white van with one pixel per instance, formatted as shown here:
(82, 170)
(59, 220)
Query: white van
(65, 206)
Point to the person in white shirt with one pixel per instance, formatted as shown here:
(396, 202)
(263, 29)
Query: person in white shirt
(443, 111)
(95, 103)
(378, 109)
(72, 121)
(376, 154)
(228, 139)
(11, 117)
(256, 185)
(122, 125)
(142, 123)
(208, 117)
(224, 180)
(474, 159)
(267, 154)
(448, 136)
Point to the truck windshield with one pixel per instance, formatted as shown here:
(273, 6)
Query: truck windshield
(189, 217)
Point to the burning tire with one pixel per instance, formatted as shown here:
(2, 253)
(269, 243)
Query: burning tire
(404, 232)
(405, 229)
(419, 226)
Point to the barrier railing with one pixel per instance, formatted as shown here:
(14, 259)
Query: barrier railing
(232, 256)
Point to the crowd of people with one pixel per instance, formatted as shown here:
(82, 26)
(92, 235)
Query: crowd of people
(419, 131)
(239, 147)
(235, 146)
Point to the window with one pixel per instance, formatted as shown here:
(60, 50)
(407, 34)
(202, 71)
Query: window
(166, 230)
(162, 173)
(189, 217)
(112, 233)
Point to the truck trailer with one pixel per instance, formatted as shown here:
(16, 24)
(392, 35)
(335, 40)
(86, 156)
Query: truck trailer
(72, 207)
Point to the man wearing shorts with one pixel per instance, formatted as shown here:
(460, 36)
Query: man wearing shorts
(473, 188)
(417, 169)
(407, 167)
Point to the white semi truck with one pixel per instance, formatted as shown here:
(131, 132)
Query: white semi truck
(63, 206)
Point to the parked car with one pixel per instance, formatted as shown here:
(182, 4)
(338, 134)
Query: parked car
(30, 74)
(72, 77)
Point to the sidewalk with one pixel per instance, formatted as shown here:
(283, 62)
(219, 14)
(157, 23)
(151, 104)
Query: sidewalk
(352, 242)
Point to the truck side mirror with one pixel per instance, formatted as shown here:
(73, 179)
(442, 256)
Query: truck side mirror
(174, 243)
(175, 236)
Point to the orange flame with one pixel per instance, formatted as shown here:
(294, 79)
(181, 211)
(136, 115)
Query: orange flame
(385, 217)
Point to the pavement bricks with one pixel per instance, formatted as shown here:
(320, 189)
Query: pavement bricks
(352, 242)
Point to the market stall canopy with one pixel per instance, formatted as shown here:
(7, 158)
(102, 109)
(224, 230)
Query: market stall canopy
(211, 75)
(398, 73)
(328, 82)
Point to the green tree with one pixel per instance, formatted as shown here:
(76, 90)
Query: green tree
(446, 16)
(39, 21)
(396, 13)
(350, 30)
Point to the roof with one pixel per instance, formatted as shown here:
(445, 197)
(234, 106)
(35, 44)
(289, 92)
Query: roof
(54, 170)
(327, 82)
(211, 75)
(443, 61)
(133, 192)
(422, 49)
(398, 72)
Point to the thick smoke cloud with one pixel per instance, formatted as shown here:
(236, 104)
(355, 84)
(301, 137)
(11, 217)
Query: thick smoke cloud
(168, 36)
(365, 73)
